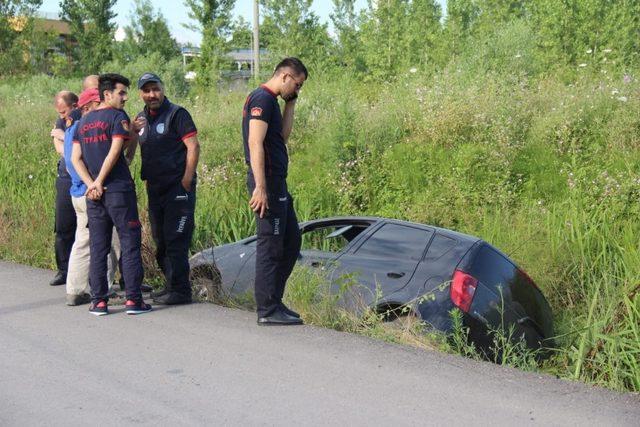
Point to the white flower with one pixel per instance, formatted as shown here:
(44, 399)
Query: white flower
(518, 56)
(607, 50)
(582, 65)
(589, 51)
(614, 92)
(413, 70)
(622, 98)
(30, 176)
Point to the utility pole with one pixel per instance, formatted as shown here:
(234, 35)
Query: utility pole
(256, 41)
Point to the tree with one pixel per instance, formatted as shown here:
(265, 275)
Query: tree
(241, 34)
(290, 28)
(91, 25)
(588, 31)
(383, 38)
(147, 32)
(461, 16)
(346, 25)
(16, 31)
(213, 20)
(424, 34)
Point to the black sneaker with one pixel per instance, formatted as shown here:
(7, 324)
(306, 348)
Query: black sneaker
(137, 307)
(173, 298)
(99, 308)
(59, 279)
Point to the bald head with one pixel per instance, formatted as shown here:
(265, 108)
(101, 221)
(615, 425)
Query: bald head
(67, 98)
(65, 102)
(90, 82)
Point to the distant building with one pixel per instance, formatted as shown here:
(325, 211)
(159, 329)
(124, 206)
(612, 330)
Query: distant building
(241, 60)
(51, 24)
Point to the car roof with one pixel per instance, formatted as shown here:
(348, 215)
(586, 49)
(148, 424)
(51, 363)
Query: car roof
(371, 220)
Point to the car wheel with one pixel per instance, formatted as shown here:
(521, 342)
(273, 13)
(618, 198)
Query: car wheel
(206, 283)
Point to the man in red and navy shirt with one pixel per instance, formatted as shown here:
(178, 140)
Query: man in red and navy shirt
(265, 131)
(111, 199)
(170, 150)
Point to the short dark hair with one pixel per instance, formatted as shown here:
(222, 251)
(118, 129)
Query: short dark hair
(293, 63)
(108, 82)
(68, 97)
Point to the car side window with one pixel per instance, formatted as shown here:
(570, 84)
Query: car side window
(396, 241)
(332, 238)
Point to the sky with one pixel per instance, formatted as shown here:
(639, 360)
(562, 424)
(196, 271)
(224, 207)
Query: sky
(175, 12)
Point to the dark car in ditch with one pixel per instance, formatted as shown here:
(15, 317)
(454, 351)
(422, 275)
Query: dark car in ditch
(396, 264)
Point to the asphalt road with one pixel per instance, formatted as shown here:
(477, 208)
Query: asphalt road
(204, 364)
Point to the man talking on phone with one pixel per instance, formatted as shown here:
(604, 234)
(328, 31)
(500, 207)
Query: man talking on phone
(265, 131)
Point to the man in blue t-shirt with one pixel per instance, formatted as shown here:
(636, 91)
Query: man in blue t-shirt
(65, 217)
(265, 131)
(99, 160)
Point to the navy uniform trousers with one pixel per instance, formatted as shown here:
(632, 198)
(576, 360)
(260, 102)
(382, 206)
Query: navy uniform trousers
(65, 224)
(117, 209)
(277, 246)
(171, 214)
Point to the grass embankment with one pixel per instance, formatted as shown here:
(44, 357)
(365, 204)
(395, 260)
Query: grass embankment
(546, 170)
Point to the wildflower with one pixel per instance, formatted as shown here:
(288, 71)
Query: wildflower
(626, 79)
(413, 70)
(614, 92)
(30, 176)
(607, 50)
(582, 65)
(518, 56)
(622, 98)
(589, 51)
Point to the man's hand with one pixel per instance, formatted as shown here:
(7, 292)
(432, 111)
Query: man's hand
(259, 202)
(139, 123)
(186, 184)
(292, 99)
(57, 134)
(95, 190)
(91, 195)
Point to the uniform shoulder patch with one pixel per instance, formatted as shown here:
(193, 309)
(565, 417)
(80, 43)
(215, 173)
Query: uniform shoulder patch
(256, 112)
(125, 124)
(69, 122)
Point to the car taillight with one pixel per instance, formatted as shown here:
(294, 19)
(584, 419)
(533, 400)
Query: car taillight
(463, 287)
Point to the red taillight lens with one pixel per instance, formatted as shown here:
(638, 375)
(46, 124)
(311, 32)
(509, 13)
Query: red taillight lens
(463, 287)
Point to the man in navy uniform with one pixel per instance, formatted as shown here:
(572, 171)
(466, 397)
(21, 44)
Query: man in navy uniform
(169, 150)
(65, 216)
(98, 159)
(265, 131)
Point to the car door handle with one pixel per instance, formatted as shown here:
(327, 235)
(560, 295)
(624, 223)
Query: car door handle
(394, 275)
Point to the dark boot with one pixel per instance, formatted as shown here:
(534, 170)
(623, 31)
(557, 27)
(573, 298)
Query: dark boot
(173, 298)
(160, 292)
(59, 279)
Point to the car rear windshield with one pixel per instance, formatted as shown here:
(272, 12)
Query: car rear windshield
(502, 276)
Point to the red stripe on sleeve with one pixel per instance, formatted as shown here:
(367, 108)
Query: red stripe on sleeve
(189, 135)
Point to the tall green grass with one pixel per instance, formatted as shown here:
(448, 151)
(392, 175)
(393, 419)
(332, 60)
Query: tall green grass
(546, 169)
